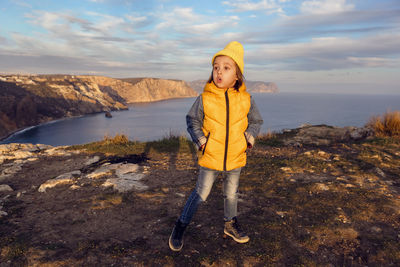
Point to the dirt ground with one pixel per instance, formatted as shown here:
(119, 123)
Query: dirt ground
(301, 206)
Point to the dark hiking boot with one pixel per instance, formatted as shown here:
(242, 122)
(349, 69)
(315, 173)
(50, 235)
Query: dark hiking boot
(233, 229)
(176, 237)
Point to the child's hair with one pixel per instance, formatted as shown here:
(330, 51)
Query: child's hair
(239, 81)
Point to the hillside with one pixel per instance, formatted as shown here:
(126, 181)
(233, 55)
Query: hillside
(28, 100)
(315, 196)
(251, 86)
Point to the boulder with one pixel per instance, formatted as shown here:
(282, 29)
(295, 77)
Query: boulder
(325, 135)
(10, 171)
(105, 170)
(126, 182)
(92, 160)
(66, 178)
(5, 188)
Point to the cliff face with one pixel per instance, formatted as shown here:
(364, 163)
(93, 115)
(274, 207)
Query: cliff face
(31, 100)
(150, 89)
(133, 90)
(252, 86)
(261, 87)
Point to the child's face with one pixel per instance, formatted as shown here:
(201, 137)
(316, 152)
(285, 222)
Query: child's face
(224, 72)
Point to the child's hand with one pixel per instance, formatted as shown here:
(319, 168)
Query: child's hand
(201, 147)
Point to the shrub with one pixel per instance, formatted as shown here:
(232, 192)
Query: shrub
(386, 125)
(118, 139)
(267, 135)
(270, 139)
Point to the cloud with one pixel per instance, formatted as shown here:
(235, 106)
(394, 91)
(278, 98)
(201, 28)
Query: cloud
(306, 26)
(271, 6)
(329, 53)
(371, 61)
(3, 40)
(243, 5)
(195, 31)
(325, 6)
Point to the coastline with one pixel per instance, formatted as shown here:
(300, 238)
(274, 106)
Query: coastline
(24, 129)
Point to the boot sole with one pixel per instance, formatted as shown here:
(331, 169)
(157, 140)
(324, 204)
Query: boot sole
(172, 247)
(226, 233)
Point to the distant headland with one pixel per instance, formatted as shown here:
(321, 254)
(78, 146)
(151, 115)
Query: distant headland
(251, 86)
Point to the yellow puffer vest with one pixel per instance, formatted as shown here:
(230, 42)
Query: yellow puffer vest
(225, 121)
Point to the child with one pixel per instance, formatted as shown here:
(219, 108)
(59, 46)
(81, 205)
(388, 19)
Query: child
(223, 122)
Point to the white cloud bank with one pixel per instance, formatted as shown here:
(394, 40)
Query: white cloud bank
(325, 6)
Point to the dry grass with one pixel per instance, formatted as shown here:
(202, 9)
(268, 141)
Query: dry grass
(268, 135)
(386, 125)
(118, 139)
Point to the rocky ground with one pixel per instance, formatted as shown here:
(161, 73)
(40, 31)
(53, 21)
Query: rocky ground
(316, 196)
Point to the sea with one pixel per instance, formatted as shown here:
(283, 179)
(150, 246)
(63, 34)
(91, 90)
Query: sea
(157, 120)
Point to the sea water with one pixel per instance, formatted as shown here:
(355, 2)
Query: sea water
(153, 121)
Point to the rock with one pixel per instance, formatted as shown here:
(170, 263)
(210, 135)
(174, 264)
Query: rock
(126, 168)
(22, 154)
(326, 135)
(287, 169)
(92, 160)
(66, 178)
(380, 172)
(10, 171)
(3, 213)
(127, 177)
(321, 187)
(104, 170)
(281, 213)
(74, 187)
(376, 229)
(360, 133)
(5, 188)
(126, 183)
(57, 151)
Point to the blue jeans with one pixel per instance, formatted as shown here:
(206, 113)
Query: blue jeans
(203, 188)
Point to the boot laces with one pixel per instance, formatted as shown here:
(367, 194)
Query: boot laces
(236, 226)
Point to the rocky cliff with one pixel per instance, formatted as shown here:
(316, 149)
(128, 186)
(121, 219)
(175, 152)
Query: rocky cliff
(252, 86)
(261, 87)
(28, 100)
(133, 90)
(160, 89)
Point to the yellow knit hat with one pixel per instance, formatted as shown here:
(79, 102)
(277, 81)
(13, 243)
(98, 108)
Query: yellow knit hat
(235, 51)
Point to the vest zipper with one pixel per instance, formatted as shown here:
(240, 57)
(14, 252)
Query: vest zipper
(227, 128)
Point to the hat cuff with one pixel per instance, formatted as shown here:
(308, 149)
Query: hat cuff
(231, 55)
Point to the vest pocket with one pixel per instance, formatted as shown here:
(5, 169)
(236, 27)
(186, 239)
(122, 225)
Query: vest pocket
(205, 145)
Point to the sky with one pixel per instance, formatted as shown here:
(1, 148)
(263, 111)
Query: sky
(322, 46)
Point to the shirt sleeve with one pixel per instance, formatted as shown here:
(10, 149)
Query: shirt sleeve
(254, 122)
(194, 122)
